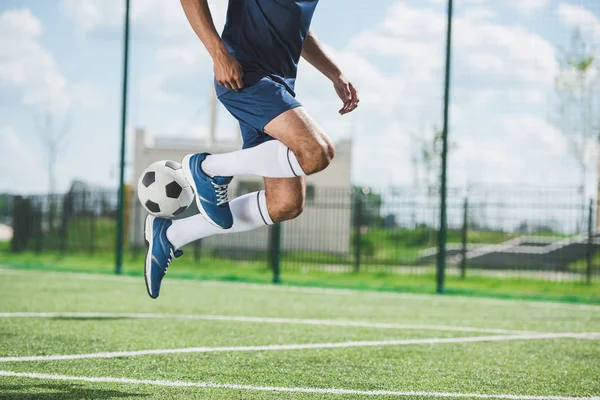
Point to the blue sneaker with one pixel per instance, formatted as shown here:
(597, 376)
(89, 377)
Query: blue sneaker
(211, 192)
(159, 253)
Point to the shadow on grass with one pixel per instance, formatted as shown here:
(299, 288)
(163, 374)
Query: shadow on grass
(48, 391)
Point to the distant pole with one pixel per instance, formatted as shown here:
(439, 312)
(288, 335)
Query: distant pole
(464, 238)
(590, 244)
(275, 250)
(121, 205)
(441, 255)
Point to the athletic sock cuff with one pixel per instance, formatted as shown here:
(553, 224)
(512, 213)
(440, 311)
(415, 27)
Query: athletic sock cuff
(261, 199)
(288, 158)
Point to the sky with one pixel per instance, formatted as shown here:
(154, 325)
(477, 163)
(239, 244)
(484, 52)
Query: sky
(61, 63)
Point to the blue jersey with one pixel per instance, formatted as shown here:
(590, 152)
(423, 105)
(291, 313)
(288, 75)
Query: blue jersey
(266, 37)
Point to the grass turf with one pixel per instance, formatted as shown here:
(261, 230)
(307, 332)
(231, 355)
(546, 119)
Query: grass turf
(567, 367)
(379, 278)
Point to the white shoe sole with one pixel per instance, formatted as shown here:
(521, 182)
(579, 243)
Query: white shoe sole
(190, 178)
(149, 237)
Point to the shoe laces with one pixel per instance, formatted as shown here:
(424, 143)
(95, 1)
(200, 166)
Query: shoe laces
(172, 255)
(221, 192)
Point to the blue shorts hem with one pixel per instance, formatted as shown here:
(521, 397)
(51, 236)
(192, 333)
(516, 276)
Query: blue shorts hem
(257, 105)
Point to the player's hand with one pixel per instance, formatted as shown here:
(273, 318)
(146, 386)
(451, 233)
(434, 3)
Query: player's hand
(228, 71)
(349, 95)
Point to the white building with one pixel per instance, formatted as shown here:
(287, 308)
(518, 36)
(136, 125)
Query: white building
(325, 225)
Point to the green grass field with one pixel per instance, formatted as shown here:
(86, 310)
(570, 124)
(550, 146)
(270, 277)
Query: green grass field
(377, 278)
(88, 336)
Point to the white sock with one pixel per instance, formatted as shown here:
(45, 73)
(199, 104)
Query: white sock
(249, 212)
(271, 159)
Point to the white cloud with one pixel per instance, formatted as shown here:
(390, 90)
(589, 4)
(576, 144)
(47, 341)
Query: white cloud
(93, 14)
(478, 14)
(527, 7)
(179, 54)
(88, 95)
(502, 78)
(503, 75)
(575, 16)
(155, 18)
(17, 157)
(27, 66)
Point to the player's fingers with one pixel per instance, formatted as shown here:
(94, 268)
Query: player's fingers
(347, 105)
(234, 85)
(240, 83)
(355, 96)
(354, 104)
(345, 108)
(347, 94)
(227, 85)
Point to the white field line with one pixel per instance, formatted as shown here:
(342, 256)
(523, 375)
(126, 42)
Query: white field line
(359, 324)
(307, 346)
(209, 385)
(319, 291)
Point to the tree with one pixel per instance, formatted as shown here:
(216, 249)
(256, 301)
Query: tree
(578, 91)
(370, 212)
(53, 141)
(426, 158)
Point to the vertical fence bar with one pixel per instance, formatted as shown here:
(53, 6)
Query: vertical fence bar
(590, 245)
(121, 200)
(17, 218)
(64, 230)
(357, 233)
(93, 217)
(465, 229)
(275, 251)
(441, 255)
(197, 247)
(39, 232)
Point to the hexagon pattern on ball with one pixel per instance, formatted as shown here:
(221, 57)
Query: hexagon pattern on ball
(149, 178)
(163, 189)
(173, 164)
(174, 190)
(152, 206)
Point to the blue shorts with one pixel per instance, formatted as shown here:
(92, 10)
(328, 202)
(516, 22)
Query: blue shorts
(255, 106)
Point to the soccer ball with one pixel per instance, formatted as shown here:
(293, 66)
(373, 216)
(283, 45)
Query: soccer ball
(163, 189)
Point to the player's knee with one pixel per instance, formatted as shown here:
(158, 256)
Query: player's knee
(284, 210)
(317, 157)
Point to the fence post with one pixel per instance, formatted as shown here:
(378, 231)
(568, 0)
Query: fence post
(138, 242)
(442, 233)
(358, 209)
(36, 213)
(590, 245)
(67, 205)
(465, 229)
(197, 248)
(93, 217)
(275, 251)
(16, 243)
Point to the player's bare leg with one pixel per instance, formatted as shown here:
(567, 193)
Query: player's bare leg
(310, 144)
(285, 197)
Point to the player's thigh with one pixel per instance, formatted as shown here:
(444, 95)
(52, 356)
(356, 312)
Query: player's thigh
(297, 130)
(285, 196)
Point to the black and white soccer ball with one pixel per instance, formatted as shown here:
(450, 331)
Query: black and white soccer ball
(163, 189)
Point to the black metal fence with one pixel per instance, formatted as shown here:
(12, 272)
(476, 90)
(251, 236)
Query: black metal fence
(547, 234)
